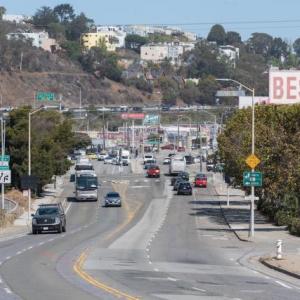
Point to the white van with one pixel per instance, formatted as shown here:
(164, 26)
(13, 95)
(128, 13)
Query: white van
(177, 164)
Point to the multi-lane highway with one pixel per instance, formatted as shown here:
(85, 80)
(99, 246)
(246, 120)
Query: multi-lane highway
(156, 246)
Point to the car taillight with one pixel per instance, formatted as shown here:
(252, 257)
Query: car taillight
(157, 171)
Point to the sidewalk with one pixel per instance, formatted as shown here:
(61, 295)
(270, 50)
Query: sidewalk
(237, 216)
(51, 194)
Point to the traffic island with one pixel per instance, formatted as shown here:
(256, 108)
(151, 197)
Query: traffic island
(289, 264)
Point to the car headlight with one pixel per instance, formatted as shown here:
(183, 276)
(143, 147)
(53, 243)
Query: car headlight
(57, 220)
(34, 222)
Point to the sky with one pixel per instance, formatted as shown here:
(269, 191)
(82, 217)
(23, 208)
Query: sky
(276, 17)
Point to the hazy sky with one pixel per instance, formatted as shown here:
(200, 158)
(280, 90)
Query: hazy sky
(276, 17)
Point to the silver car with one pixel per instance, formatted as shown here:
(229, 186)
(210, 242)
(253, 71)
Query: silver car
(112, 199)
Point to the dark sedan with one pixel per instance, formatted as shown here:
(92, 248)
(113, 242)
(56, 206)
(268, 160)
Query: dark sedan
(185, 188)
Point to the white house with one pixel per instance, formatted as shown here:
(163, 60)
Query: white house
(116, 31)
(38, 39)
(159, 52)
(15, 18)
(231, 53)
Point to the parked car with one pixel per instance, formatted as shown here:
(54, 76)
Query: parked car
(112, 199)
(101, 156)
(49, 217)
(185, 188)
(153, 171)
(189, 159)
(166, 161)
(171, 154)
(200, 180)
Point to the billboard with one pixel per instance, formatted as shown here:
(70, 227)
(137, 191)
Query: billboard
(284, 86)
(132, 116)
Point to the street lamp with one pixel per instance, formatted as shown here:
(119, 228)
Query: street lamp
(179, 119)
(80, 96)
(252, 90)
(29, 155)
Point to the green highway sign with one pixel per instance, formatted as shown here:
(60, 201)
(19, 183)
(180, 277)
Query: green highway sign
(4, 168)
(4, 157)
(252, 179)
(151, 120)
(153, 142)
(45, 96)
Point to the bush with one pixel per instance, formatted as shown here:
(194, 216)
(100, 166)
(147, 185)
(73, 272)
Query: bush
(294, 226)
(283, 217)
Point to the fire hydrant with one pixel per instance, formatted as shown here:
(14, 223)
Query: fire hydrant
(279, 249)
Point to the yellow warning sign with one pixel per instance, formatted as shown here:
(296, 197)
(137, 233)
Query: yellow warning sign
(252, 161)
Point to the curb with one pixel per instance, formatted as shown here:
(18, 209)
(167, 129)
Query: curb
(236, 234)
(278, 269)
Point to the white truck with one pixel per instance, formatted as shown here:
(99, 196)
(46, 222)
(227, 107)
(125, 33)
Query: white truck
(125, 157)
(177, 164)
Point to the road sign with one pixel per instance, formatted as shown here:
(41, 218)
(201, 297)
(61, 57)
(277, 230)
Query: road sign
(5, 176)
(252, 161)
(29, 182)
(252, 179)
(151, 120)
(45, 96)
(4, 157)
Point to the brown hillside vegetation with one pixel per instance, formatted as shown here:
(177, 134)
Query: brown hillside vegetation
(18, 88)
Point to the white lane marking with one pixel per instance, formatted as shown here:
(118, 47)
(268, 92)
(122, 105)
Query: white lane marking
(150, 262)
(50, 240)
(156, 270)
(255, 272)
(137, 180)
(139, 186)
(267, 277)
(29, 247)
(172, 279)
(283, 284)
(68, 207)
(200, 290)
(1, 263)
(147, 249)
(41, 243)
(7, 290)
(146, 180)
(148, 256)
(8, 257)
(19, 252)
(157, 180)
(232, 259)
(1, 280)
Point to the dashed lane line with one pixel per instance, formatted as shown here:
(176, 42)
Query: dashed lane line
(283, 284)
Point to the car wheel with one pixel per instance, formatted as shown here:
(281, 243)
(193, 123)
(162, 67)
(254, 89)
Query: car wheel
(60, 229)
(34, 231)
(64, 229)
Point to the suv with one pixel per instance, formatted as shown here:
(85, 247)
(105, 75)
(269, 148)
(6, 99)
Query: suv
(183, 175)
(49, 217)
(148, 158)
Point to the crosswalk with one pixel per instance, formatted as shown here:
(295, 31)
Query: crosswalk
(134, 181)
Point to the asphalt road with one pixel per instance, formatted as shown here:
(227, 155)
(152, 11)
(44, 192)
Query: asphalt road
(156, 246)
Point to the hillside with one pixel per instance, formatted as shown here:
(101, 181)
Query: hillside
(18, 88)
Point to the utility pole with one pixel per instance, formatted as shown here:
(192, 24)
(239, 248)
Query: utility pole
(2, 151)
(200, 150)
(132, 128)
(21, 62)
(177, 134)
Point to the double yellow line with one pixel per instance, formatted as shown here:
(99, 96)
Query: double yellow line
(78, 266)
(88, 278)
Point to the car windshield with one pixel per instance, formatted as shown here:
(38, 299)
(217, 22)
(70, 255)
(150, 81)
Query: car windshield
(113, 195)
(185, 185)
(47, 211)
(201, 176)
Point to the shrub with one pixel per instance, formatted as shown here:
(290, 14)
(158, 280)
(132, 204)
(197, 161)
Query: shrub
(294, 226)
(283, 217)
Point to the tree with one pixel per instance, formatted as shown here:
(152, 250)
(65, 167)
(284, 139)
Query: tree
(217, 34)
(233, 38)
(44, 16)
(279, 48)
(260, 43)
(208, 87)
(2, 12)
(72, 48)
(57, 31)
(296, 46)
(135, 41)
(64, 12)
(79, 25)
(190, 93)
(170, 89)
